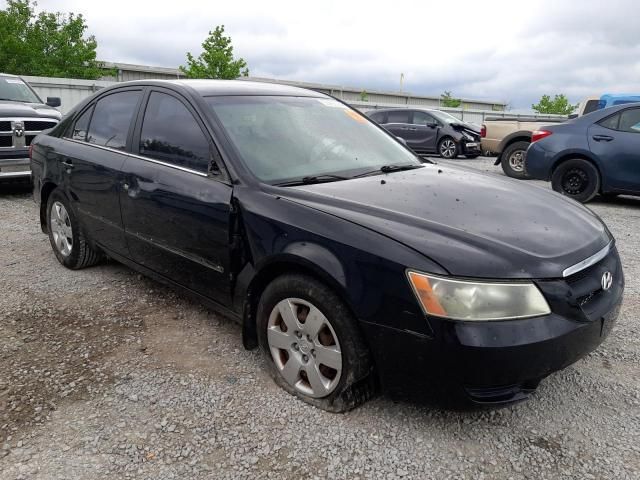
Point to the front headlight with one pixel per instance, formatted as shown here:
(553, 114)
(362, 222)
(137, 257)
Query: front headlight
(468, 300)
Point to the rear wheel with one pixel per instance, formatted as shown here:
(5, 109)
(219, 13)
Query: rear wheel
(448, 148)
(312, 345)
(577, 178)
(68, 241)
(513, 159)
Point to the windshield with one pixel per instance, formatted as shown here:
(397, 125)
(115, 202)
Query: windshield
(284, 138)
(445, 117)
(16, 90)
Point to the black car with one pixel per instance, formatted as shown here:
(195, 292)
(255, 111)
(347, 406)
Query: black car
(431, 131)
(352, 264)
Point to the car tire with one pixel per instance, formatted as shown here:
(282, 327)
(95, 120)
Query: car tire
(513, 158)
(292, 345)
(68, 241)
(577, 178)
(448, 148)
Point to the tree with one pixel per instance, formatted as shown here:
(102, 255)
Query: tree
(446, 100)
(216, 59)
(559, 105)
(364, 96)
(46, 44)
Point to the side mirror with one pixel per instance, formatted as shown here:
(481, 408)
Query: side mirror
(572, 116)
(432, 124)
(402, 141)
(54, 101)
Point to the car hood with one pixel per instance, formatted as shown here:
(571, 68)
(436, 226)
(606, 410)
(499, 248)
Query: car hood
(466, 127)
(472, 224)
(19, 110)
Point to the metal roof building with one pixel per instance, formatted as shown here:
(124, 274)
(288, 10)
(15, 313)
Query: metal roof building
(127, 71)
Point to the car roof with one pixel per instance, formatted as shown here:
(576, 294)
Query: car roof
(403, 109)
(8, 75)
(208, 88)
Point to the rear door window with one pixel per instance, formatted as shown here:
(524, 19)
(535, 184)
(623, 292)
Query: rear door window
(422, 118)
(630, 121)
(111, 119)
(399, 116)
(377, 117)
(171, 134)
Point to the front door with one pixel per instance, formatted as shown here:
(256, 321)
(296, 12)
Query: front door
(91, 157)
(616, 142)
(176, 216)
(423, 132)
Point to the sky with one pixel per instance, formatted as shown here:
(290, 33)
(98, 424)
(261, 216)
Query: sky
(512, 51)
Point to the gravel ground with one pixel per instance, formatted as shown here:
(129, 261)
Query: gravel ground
(106, 374)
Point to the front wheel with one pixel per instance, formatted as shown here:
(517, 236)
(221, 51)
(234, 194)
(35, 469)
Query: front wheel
(513, 159)
(448, 148)
(312, 345)
(578, 179)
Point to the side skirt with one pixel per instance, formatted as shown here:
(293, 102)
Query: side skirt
(208, 302)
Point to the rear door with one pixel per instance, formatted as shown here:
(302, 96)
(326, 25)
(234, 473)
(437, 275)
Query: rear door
(176, 215)
(616, 141)
(397, 122)
(92, 157)
(423, 131)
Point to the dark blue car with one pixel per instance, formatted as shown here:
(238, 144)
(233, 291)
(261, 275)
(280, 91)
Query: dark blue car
(595, 154)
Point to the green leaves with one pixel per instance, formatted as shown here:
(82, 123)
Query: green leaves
(559, 105)
(47, 44)
(446, 100)
(216, 60)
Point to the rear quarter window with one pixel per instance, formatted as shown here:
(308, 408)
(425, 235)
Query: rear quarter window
(398, 117)
(610, 122)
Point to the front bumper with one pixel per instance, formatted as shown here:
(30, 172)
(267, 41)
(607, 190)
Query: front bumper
(470, 147)
(499, 362)
(13, 168)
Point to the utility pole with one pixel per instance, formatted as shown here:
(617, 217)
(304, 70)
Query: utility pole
(401, 81)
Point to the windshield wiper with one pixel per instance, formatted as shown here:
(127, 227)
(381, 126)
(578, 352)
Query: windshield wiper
(389, 169)
(309, 180)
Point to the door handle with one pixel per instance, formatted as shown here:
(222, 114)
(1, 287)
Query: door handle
(413, 129)
(602, 138)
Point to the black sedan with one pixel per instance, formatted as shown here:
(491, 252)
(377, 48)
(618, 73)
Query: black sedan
(595, 154)
(350, 263)
(431, 131)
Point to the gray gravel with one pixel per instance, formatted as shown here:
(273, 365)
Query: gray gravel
(106, 374)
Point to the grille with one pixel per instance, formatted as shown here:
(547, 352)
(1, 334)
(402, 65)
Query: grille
(587, 288)
(5, 126)
(28, 139)
(6, 141)
(38, 125)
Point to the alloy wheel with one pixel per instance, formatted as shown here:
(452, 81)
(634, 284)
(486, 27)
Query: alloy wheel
(447, 148)
(575, 181)
(516, 161)
(60, 225)
(304, 347)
